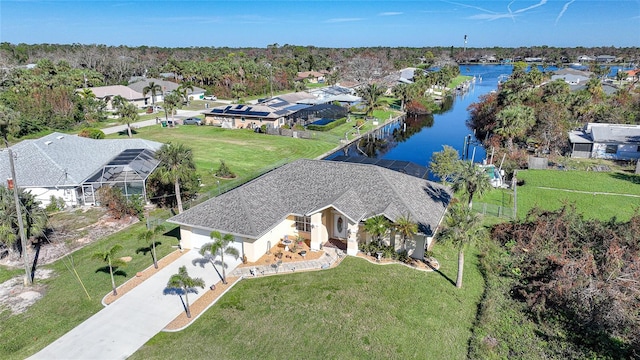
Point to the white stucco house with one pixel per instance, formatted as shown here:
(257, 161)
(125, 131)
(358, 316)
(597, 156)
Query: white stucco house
(606, 141)
(318, 200)
(73, 167)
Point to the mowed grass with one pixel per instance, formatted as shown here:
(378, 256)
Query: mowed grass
(65, 304)
(357, 310)
(597, 195)
(244, 151)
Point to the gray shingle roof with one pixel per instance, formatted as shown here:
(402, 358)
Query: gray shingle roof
(64, 160)
(307, 186)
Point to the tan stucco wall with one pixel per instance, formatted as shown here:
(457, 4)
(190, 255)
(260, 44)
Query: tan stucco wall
(254, 250)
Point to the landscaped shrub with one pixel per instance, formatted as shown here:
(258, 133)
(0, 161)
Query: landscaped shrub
(118, 205)
(224, 171)
(298, 127)
(91, 133)
(55, 204)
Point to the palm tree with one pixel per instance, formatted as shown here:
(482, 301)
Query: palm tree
(154, 89)
(34, 218)
(128, 114)
(220, 243)
(462, 226)
(184, 89)
(150, 235)
(377, 226)
(406, 228)
(513, 121)
(371, 95)
(176, 164)
(470, 179)
(183, 281)
(172, 101)
(108, 256)
(403, 92)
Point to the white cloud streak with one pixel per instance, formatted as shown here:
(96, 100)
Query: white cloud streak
(390, 13)
(564, 8)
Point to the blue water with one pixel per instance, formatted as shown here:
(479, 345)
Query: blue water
(323, 121)
(448, 128)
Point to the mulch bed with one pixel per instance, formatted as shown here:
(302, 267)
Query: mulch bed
(200, 305)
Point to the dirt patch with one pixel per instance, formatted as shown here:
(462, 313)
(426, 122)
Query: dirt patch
(17, 297)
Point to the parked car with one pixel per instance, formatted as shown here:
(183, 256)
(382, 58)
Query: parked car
(210, 97)
(192, 121)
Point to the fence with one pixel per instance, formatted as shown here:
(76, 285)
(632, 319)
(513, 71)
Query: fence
(494, 210)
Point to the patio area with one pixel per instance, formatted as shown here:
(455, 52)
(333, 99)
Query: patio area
(290, 256)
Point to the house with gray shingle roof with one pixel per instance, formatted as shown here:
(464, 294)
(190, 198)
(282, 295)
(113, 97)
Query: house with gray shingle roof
(73, 167)
(606, 141)
(319, 200)
(107, 93)
(167, 86)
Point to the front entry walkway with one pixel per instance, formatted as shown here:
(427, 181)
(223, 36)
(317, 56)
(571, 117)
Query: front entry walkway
(120, 329)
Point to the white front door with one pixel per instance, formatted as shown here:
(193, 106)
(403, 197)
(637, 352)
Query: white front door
(339, 226)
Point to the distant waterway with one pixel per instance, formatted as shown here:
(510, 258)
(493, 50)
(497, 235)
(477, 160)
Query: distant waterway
(427, 134)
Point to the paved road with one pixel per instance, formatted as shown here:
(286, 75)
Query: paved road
(121, 328)
(181, 114)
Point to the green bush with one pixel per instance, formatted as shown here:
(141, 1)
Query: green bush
(55, 204)
(91, 133)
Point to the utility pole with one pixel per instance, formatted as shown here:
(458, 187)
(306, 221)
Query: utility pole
(23, 240)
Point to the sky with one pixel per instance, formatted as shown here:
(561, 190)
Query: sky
(339, 24)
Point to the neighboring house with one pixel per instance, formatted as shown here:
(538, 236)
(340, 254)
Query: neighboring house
(605, 58)
(571, 76)
(72, 167)
(167, 87)
(313, 77)
(332, 94)
(246, 116)
(632, 75)
(585, 58)
(606, 141)
(318, 200)
(107, 93)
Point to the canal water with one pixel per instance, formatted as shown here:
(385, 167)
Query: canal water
(427, 134)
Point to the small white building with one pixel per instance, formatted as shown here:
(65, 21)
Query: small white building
(606, 141)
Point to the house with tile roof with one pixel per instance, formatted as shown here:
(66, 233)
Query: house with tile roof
(167, 86)
(606, 141)
(73, 167)
(318, 200)
(107, 93)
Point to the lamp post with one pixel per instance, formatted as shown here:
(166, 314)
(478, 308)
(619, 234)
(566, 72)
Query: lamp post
(218, 186)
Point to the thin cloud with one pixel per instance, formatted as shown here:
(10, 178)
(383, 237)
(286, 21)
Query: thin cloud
(542, 2)
(390, 13)
(340, 20)
(564, 8)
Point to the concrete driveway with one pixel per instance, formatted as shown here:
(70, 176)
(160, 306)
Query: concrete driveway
(124, 326)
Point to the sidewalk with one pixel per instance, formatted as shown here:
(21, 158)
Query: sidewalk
(121, 328)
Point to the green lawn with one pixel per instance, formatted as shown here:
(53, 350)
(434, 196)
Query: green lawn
(65, 304)
(355, 311)
(580, 187)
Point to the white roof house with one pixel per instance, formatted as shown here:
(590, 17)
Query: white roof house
(606, 141)
(60, 164)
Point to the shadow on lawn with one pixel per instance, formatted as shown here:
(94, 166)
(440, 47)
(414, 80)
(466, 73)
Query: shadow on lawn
(633, 178)
(442, 274)
(116, 271)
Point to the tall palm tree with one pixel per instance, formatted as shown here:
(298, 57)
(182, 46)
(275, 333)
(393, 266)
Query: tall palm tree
(220, 244)
(150, 235)
(470, 179)
(183, 281)
(184, 89)
(462, 227)
(406, 228)
(403, 92)
(514, 121)
(172, 101)
(371, 95)
(377, 226)
(176, 164)
(154, 89)
(109, 256)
